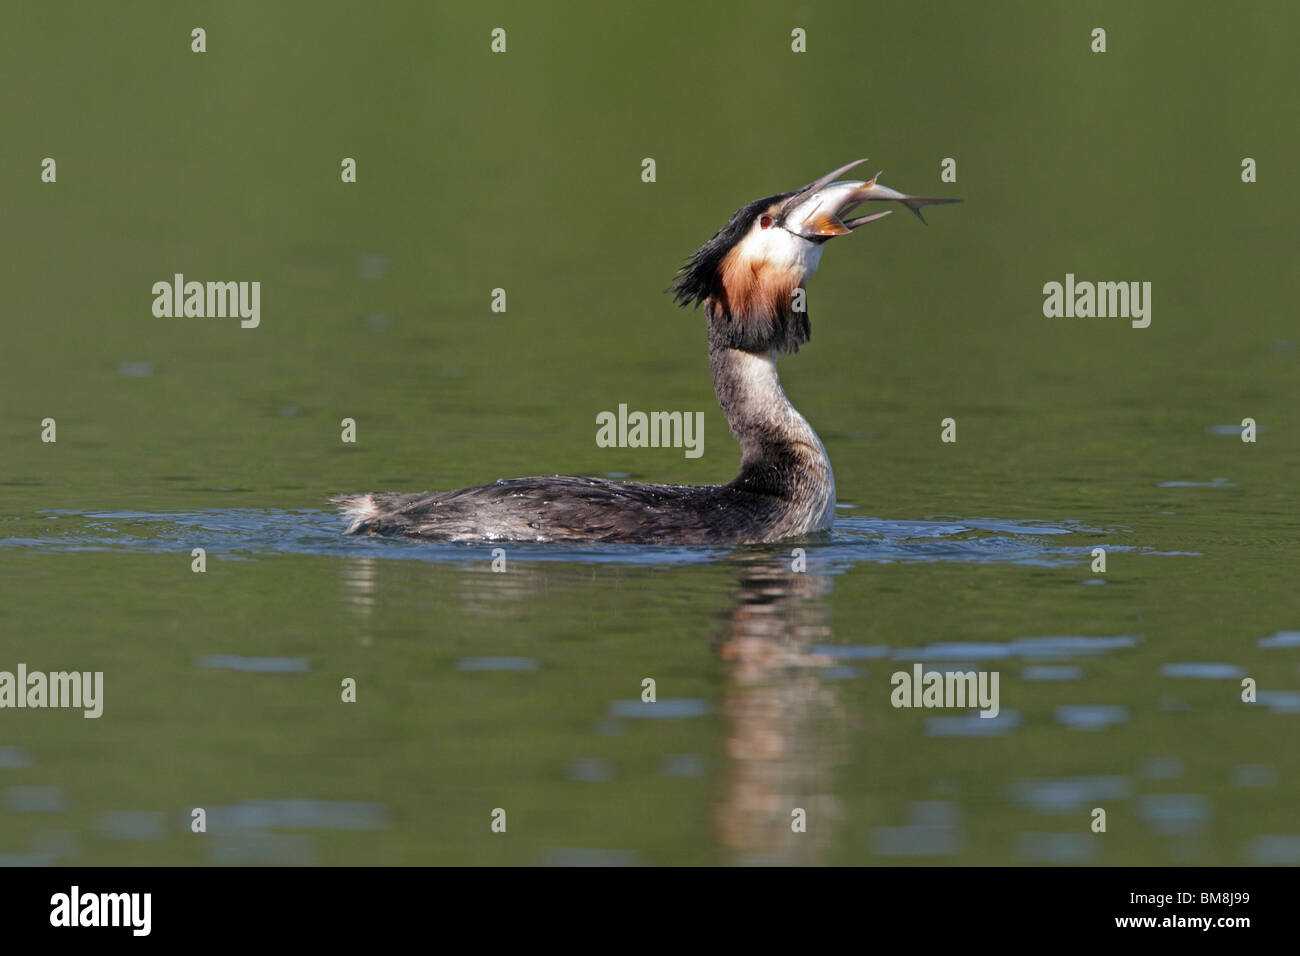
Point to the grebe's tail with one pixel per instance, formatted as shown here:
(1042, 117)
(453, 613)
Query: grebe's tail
(360, 509)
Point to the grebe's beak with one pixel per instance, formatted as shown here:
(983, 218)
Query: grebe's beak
(824, 208)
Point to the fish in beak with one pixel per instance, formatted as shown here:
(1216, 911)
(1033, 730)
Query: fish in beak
(825, 208)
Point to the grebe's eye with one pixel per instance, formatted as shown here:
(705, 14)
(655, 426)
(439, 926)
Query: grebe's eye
(765, 222)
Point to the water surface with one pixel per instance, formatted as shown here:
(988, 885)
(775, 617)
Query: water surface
(522, 689)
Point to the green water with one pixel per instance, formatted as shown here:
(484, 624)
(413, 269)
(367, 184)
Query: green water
(522, 171)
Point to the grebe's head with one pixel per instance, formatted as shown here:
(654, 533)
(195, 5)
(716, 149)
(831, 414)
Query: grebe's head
(751, 276)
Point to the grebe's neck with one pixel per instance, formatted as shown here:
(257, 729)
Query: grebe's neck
(781, 455)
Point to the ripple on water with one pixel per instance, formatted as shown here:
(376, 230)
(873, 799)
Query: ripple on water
(1071, 645)
(1203, 670)
(661, 709)
(295, 814)
(1280, 701)
(1162, 768)
(496, 664)
(683, 765)
(262, 665)
(1055, 847)
(132, 825)
(1091, 716)
(1069, 794)
(1175, 814)
(932, 831)
(1035, 648)
(850, 652)
(1254, 775)
(1274, 849)
(973, 725)
(373, 265)
(955, 650)
(30, 799)
(1213, 483)
(590, 770)
(1051, 672)
(14, 758)
(1233, 430)
(1281, 639)
(58, 844)
(842, 672)
(257, 849)
(236, 533)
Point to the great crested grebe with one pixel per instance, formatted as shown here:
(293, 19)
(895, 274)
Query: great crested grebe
(750, 277)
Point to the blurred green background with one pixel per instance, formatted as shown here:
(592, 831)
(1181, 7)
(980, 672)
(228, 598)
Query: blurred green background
(522, 171)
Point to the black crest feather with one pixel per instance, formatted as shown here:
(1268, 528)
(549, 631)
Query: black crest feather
(699, 281)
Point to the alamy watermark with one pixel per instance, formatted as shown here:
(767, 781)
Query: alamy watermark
(75, 689)
(75, 908)
(1102, 300)
(922, 688)
(208, 300)
(653, 430)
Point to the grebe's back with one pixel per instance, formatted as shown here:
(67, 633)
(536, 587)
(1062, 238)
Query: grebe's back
(559, 509)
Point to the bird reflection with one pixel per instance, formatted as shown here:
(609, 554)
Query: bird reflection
(785, 729)
(360, 578)
(785, 734)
